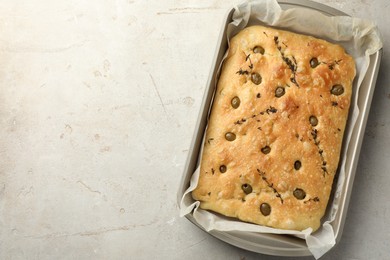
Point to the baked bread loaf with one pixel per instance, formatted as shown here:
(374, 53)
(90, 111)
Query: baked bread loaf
(275, 132)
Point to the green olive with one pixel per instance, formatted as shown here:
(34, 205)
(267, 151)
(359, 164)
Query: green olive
(256, 78)
(313, 120)
(337, 90)
(266, 149)
(314, 63)
(265, 209)
(299, 194)
(230, 136)
(258, 49)
(279, 91)
(247, 188)
(297, 165)
(235, 102)
(222, 168)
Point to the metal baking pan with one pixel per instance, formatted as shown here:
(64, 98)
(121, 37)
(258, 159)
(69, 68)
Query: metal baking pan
(283, 245)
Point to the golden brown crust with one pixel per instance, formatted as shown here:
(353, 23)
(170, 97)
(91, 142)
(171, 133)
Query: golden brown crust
(303, 152)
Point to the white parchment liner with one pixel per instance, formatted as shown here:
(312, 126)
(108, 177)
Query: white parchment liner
(360, 38)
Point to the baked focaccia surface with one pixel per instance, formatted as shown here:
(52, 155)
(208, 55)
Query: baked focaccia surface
(274, 136)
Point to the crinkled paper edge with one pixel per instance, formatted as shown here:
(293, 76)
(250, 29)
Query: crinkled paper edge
(360, 38)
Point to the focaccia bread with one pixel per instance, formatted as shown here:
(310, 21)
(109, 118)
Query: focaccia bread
(276, 126)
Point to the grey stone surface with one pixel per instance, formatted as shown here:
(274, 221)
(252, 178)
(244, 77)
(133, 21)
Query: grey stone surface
(98, 102)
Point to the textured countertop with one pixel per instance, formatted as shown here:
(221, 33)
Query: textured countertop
(98, 103)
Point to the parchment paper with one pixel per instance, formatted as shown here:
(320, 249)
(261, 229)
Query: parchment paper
(360, 38)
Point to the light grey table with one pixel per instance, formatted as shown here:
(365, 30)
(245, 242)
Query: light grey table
(98, 102)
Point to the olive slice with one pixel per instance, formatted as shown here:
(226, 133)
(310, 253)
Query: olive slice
(230, 136)
(247, 188)
(256, 78)
(313, 120)
(258, 49)
(222, 168)
(314, 63)
(266, 149)
(297, 165)
(337, 90)
(235, 102)
(265, 209)
(279, 91)
(299, 194)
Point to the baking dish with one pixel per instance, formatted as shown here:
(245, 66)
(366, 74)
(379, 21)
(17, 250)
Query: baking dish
(284, 245)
